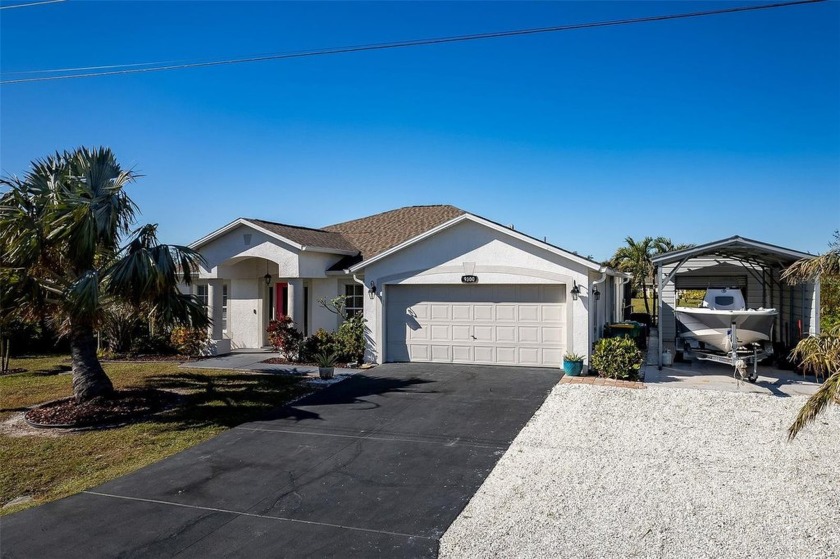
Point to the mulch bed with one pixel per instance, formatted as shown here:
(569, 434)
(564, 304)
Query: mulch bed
(123, 407)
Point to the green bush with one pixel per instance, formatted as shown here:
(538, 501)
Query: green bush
(189, 341)
(321, 341)
(617, 358)
(351, 339)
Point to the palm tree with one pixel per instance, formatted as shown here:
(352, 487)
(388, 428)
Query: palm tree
(818, 354)
(61, 226)
(634, 258)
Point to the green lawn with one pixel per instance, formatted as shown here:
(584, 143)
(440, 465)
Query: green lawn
(48, 468)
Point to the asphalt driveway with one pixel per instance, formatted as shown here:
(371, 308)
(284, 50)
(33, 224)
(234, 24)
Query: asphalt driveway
(380, 464)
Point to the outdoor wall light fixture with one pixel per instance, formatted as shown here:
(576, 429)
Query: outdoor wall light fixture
(575, 291)
(372, 290)
(267, 278)
(596, 294)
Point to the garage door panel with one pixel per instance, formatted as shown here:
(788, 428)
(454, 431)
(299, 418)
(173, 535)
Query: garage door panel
(461, 332)
(552, 313)
(506, 355)
(418, 334)
(529, 313)
(441, 312)
(418, 352)
(551, 335)
(506, 334)
(442, 353)
(483, 333)
(484, 354)
(492, 324)
(505, 313)
(461, 312)
(529, 356)
(529, 334)
(483, 312)
(462, 354)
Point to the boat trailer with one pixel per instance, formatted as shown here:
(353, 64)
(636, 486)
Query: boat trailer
(739, 357)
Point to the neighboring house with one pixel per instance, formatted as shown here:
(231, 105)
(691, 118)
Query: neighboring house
(434, 283)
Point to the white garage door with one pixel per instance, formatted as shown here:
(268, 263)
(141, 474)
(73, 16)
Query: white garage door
(493, 324)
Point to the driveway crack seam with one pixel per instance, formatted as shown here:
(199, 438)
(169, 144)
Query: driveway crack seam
(253, 515)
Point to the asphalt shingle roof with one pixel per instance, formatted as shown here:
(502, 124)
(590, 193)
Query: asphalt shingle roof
(367, 236)
(377, 233)
(306, 236)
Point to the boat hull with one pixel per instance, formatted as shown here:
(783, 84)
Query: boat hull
(712, 326)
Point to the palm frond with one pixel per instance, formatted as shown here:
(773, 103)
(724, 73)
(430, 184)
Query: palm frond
(809, 269)
(827, 394)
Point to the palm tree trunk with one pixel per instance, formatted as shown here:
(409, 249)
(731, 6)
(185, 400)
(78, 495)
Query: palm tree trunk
(644, 294)
(89, 378)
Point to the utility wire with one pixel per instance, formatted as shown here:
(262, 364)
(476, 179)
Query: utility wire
(28, 4)
(413, 43)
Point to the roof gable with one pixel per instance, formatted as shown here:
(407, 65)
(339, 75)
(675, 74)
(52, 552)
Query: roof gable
(375, 234)
(492, 225)
(300, 238)
(735, 247)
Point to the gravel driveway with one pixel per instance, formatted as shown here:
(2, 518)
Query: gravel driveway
(661, 472)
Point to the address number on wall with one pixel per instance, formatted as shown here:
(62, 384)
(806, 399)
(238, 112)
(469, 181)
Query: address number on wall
(469, 279)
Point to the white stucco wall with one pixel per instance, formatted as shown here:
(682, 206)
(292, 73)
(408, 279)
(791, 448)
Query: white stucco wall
(231, 248)
(492, 255)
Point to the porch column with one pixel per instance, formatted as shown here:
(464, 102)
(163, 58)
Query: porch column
(295, 302)
(214, 308)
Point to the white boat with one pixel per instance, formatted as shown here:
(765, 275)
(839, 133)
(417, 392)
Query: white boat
(722, 309)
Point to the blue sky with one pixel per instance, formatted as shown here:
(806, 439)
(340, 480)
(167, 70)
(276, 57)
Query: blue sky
(693, 129)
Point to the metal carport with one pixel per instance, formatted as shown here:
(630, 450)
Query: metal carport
(739, 262)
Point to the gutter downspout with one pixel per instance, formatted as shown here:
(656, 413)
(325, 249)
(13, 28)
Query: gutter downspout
(357, 280)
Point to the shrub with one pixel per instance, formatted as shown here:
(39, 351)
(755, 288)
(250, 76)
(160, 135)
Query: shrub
(617, 358)
(189, 341)
(351, 339)
(319, 342)
(285, 338)
(152, 344)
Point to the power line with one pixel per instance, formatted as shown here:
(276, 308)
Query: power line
(28, 4)
(129, 69)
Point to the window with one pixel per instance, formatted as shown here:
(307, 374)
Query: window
(224, 308)
(724, 300)
(201, 293)
(355, 302)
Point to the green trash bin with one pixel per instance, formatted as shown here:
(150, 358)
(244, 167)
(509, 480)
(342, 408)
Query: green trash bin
(627, 329)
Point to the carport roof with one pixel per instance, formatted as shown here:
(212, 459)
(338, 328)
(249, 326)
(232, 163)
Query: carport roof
(740, 248)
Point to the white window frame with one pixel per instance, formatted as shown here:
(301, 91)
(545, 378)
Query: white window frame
(225, 307)
(358, 292)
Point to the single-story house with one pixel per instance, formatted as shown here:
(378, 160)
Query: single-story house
(752, 266)
(434, 284)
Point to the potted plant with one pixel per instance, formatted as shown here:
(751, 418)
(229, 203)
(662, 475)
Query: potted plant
(572, 364)
(326, 364)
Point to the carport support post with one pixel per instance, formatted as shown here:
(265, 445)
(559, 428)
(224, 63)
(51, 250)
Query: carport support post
(659, 313)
